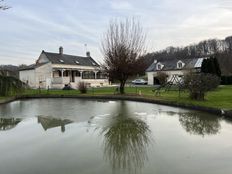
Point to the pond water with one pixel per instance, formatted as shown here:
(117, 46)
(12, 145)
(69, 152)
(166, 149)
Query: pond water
(57, 136)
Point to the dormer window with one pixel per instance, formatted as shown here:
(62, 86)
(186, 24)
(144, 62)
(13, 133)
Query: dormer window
(61, 61)
(159, 66)
(77, 62)
(180, 64)
(93, 63)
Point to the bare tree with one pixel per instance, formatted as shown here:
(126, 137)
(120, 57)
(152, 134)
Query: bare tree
(123, 47)
(2, 6)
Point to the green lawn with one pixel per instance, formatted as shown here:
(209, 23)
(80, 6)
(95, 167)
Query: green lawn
(220, 98)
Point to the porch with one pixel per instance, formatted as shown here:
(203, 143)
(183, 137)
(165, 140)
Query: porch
(60, 77)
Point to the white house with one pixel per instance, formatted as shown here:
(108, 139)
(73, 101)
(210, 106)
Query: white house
(172, 67)
(55, 70)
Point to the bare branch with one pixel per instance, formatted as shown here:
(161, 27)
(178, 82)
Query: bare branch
(122, 46)
(3, 7)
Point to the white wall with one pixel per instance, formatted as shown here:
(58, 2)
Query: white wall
(42, 58)
(38, 77)
(43, 76)
(150, 77)
(28, 76)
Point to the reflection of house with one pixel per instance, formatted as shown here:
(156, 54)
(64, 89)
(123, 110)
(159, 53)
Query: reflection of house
(50, 122)
(173, 67)
(8, 123)
(54, 70)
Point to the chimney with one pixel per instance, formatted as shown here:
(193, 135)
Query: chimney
(61, 50)
(88, 54)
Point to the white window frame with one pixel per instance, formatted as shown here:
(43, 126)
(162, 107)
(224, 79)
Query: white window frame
(178, 63)
(159, 66)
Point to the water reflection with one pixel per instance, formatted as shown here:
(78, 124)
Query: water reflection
(8, 123)
(49, 122)
(126, 138)
(200, 124)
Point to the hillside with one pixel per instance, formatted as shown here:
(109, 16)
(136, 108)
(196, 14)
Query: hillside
(221, 48)
(13, 70)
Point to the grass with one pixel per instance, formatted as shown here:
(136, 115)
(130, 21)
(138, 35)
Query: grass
(220, 98)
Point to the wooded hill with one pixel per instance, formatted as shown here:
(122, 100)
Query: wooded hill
(222, 49)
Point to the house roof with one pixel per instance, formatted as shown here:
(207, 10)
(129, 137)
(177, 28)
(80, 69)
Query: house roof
(56, 58)
(32, 66)
(172, 64)
(50, 122)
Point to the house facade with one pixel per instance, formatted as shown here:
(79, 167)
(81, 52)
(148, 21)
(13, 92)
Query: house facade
(55, 70)
(172, 67)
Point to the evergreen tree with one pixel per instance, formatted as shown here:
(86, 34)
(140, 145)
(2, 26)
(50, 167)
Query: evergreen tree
(204, 66)
(217, 67)
(211, 66)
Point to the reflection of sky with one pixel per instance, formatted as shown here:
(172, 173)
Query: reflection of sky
(81, 147)
(31, 26)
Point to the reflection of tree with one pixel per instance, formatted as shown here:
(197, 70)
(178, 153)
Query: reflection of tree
(50, 122)
(126, 141)
(201, 124)
(8, 123)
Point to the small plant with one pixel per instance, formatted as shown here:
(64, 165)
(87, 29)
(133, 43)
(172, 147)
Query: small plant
(82, 87)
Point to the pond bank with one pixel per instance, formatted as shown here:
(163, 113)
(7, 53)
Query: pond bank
(222, 112)
(7, 100)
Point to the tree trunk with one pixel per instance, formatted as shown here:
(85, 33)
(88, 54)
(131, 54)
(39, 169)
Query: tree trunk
(197, 95)
(121, 89)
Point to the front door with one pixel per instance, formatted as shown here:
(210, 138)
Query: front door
(72, 76)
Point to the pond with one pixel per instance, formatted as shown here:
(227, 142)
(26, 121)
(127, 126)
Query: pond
(57, 136)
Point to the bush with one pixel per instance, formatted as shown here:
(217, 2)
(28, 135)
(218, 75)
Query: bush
(10, 86)
(226, 80)
(82, 87)
(162, 77)
(199, 84)
(67, 87)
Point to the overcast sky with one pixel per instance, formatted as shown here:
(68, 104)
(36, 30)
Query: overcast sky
(34, 25)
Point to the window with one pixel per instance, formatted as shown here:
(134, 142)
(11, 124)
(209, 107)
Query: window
(93, 63)
(61, 61)
(101, 75)
(180, 64)
(88, 75)
(159, 67)
(77, 62)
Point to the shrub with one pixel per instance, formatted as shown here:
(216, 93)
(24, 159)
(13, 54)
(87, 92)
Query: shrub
(226, 80)
(199, 84)
(162, 77)
(82, 87)
(10, 86)
(67, 87)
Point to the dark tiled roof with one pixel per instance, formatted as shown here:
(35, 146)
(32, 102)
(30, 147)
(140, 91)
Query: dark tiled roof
(32, 66)
(151, 68)
(172, 64)
(57, 58)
